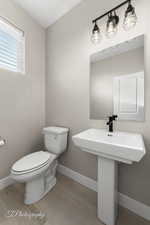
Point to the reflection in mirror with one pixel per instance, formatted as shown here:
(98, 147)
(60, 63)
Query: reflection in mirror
(117, 81)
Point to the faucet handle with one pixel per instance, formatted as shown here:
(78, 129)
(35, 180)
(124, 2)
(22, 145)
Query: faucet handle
(114, 117)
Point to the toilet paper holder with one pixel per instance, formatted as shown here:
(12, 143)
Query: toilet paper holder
(2, 141)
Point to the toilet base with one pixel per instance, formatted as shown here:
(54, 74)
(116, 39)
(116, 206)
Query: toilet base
(36, 189)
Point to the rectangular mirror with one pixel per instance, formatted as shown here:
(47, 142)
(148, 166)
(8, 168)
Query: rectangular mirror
(117, 81)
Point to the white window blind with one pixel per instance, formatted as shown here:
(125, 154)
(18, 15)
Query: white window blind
(11, 47)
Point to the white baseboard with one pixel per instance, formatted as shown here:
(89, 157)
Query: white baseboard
(5, 182)
(137, 207)
(86, 181)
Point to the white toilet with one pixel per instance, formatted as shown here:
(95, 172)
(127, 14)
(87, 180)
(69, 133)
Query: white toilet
(38, 169)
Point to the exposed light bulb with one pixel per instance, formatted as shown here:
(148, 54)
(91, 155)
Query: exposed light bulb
(112, 25)
(96, 36)
(130, 18)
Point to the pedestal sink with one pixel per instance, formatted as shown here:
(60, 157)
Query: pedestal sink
(110, 148)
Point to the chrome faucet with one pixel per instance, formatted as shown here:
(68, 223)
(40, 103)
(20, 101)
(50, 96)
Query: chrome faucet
(110, 122)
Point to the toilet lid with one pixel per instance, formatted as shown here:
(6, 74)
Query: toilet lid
(33, 161)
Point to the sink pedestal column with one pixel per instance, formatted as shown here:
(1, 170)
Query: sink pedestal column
(107, 191)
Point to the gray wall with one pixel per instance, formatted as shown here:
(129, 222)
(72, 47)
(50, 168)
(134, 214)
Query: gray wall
(101, 79)
(67, 88)
(22, 97)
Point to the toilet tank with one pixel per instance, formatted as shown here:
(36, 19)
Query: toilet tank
(55, 139)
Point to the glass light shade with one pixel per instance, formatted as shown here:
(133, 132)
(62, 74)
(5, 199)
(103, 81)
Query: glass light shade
(130, 21)
(112, 25)
(130, 18)
(96, 35)
(111, 30)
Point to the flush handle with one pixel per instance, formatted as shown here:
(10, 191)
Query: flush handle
(2, 142)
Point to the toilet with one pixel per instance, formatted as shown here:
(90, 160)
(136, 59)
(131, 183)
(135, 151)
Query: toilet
(38, 170)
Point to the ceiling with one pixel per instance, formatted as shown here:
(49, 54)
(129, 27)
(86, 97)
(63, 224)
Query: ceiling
(47, 12)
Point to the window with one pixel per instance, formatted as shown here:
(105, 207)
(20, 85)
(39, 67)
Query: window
(11, 47)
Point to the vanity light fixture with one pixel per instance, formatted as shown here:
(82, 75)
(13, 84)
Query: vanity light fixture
(129, 22)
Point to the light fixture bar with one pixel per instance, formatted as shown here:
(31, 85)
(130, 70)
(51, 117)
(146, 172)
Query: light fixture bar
(110, 11)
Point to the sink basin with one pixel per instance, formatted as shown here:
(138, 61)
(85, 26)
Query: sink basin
(120, 146)
(110, 148)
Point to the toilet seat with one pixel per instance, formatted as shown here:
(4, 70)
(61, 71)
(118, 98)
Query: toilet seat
(32, 162)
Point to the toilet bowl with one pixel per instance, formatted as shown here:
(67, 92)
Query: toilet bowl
(38, 170)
